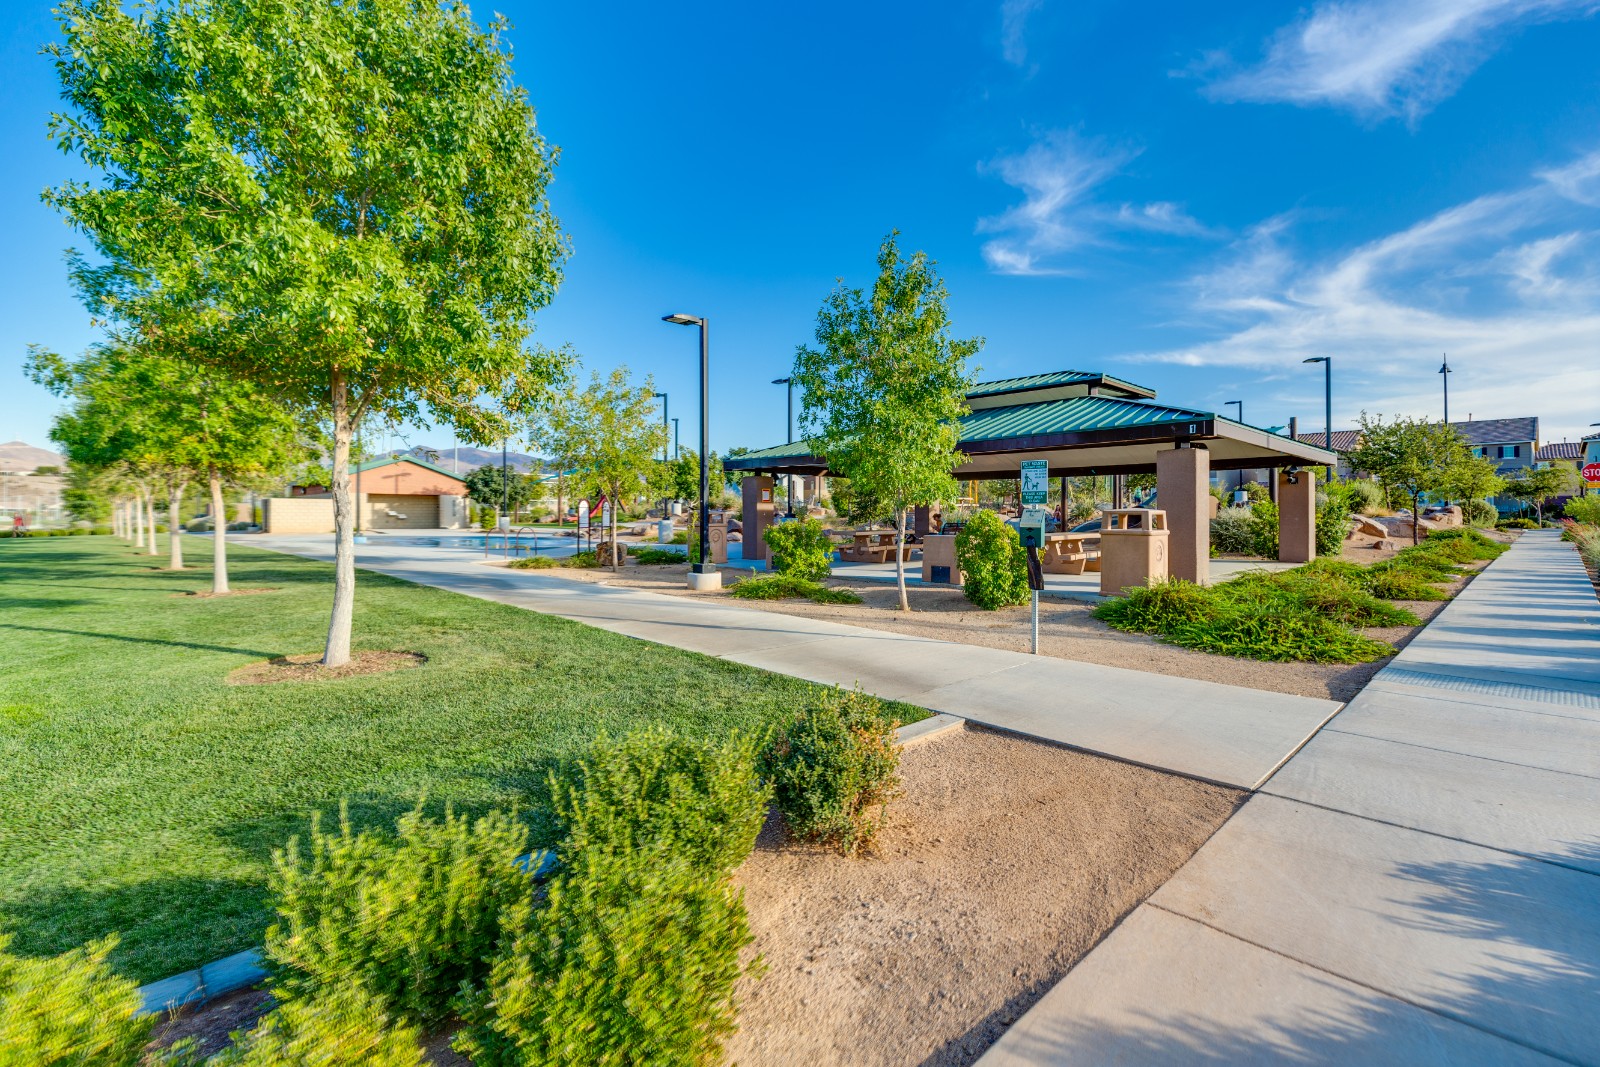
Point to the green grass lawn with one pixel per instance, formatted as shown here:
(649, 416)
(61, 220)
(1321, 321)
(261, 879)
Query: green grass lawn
(143, 795)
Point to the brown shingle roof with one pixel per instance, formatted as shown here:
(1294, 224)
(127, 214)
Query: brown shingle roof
(1343, 440)
(1561, 450)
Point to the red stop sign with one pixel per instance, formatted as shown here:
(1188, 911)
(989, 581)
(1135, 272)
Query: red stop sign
(1591, 472)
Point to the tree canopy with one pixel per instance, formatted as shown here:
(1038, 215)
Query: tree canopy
(1411, 457)
(344, 204)
(883, 386)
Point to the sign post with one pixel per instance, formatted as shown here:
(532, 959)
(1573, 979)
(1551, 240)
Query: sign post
(1030, 527)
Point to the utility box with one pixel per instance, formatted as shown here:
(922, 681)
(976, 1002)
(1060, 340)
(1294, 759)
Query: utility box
(717, 541)
(1133, 548)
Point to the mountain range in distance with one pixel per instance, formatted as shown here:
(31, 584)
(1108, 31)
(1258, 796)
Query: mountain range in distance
(470, 458)
(22, 458)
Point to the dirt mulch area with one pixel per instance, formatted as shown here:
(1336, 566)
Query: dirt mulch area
(1005, 862)
(309, 668)
(210, 1024)
(209, 595)
(1067, 630)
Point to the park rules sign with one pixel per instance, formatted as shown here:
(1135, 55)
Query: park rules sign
(1035, 483)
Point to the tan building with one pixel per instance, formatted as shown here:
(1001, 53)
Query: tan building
(394, 493)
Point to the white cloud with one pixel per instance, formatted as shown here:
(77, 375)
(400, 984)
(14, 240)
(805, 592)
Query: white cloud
(1060, 175)
(1384, 57)
(1578, 181)
(1500, 283)
(1014, 28)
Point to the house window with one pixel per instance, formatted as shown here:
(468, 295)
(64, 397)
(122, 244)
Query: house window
(1510, 451)
(1477, 453)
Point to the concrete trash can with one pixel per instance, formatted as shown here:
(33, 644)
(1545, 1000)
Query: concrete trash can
(1133, 548)
(664, 532)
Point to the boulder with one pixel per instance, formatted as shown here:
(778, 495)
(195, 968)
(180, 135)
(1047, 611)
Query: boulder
(1371, 527)
(1384, 544)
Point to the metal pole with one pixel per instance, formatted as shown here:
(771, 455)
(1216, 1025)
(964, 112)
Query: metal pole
(1327, 403)
(705, 445)
(1444, 370)
(677, 446)
(1035, 597)
(790, 427)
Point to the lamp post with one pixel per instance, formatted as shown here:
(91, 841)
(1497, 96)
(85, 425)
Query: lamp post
(701, 566)
(1238, 478)
(1327, 400)
(677, 449)
(1444, 370)
(663, 398)
(789, 429)
(505, 483)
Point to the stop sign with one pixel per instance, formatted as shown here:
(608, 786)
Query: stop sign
(1591, 472)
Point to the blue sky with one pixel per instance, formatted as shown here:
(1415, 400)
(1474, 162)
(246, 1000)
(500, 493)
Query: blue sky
(1191, 196)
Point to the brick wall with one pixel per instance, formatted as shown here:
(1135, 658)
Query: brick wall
(294, 515)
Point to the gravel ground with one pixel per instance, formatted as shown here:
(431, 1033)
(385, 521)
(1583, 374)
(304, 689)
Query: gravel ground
(1067, 630)
(1003, 864)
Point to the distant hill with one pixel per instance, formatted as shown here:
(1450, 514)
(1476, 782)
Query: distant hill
(472, 458)
(23, 457)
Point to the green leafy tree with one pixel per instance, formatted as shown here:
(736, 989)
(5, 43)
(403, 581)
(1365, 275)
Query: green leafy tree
(172, 420)
(348, 199)
(608, 433)
(683, 476)
(883, 386)
(488, 488)
(1411, 457)
(1532, 486)
(1473, 478)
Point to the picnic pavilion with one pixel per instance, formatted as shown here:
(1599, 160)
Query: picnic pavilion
(1088, 423)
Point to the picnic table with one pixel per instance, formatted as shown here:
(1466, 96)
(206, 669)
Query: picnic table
(1066, 553)
(872, 546)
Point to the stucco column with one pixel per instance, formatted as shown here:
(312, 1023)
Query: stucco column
(1297, 517)
(1183, 479)
(757, 493)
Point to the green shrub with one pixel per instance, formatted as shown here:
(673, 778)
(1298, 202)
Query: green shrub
(1432, 563)
(1587, 540)
(1516, 524)
(990, 555)
(1479, 513)
(834, 768)
(1333, 520)
(337, 1026)
(1584, 509)
(787, 587)
(800, 548)
(1344, 602)
(533, 563)
(69, 1009)
(410, 916)
(680, 538)
(655, 790)
(1365, 498)
(1157, 607)
(586, 559)
(1230, 531)
(1394, 583)
(1463, 545)
(1264, 528)
(1279, 636)
(632, 959)
(633, 956)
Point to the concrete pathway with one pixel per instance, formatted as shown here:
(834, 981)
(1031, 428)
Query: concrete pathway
(1419, 885)
(1221, 733)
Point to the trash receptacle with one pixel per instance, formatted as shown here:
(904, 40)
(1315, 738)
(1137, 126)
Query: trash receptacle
(664, 532)
(1133, 548)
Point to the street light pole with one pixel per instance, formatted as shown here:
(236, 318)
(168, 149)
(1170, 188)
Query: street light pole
(1444, 370)
(702, 566)
(663, 398)
(677, 449)
(789, 429)
(1327, 399)
(1238, 478)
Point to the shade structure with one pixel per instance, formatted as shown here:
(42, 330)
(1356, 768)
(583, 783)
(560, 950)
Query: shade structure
(1080, 423)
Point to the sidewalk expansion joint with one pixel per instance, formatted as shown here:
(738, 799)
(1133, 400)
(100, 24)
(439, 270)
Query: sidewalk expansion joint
(1463, 755)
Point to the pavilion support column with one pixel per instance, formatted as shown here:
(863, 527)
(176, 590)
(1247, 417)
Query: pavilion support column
(1297, 517)
(757, 516)
(922, 521)
(1183, 480)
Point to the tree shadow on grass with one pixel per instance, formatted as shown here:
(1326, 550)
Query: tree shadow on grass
(140, 640)
(1523, 980)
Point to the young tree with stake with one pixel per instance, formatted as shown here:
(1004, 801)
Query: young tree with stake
(883, 386)
(347, 200)
(1412, 458)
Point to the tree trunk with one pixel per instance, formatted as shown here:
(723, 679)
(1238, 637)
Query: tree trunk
(900, 556)
(174, 535)
(136, 509)
(337, 652)
(219, 536)
(1416, 518)
(150, 523)
(613, 536)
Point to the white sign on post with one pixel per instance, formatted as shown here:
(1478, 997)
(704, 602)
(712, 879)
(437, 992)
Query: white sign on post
(1035, 483)
(583, 515)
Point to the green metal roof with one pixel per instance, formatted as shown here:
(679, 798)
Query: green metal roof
(371, 464)
(1076, 414)
(1054, 379)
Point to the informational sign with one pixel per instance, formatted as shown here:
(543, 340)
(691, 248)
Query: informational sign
(1035, 483)
(1036, 517)
(583, 515)
(1591, 473)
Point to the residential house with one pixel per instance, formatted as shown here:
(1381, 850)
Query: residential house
(1344, 442)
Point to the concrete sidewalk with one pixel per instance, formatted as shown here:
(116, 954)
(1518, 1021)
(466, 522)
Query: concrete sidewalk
(1221, 733)
(1419, 885)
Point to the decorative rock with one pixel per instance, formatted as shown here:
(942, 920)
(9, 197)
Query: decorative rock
(1383, 544)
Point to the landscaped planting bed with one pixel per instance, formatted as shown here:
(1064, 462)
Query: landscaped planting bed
(144, 794)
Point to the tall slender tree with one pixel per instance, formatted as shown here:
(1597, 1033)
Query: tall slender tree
(342, 203)
(883, 386)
